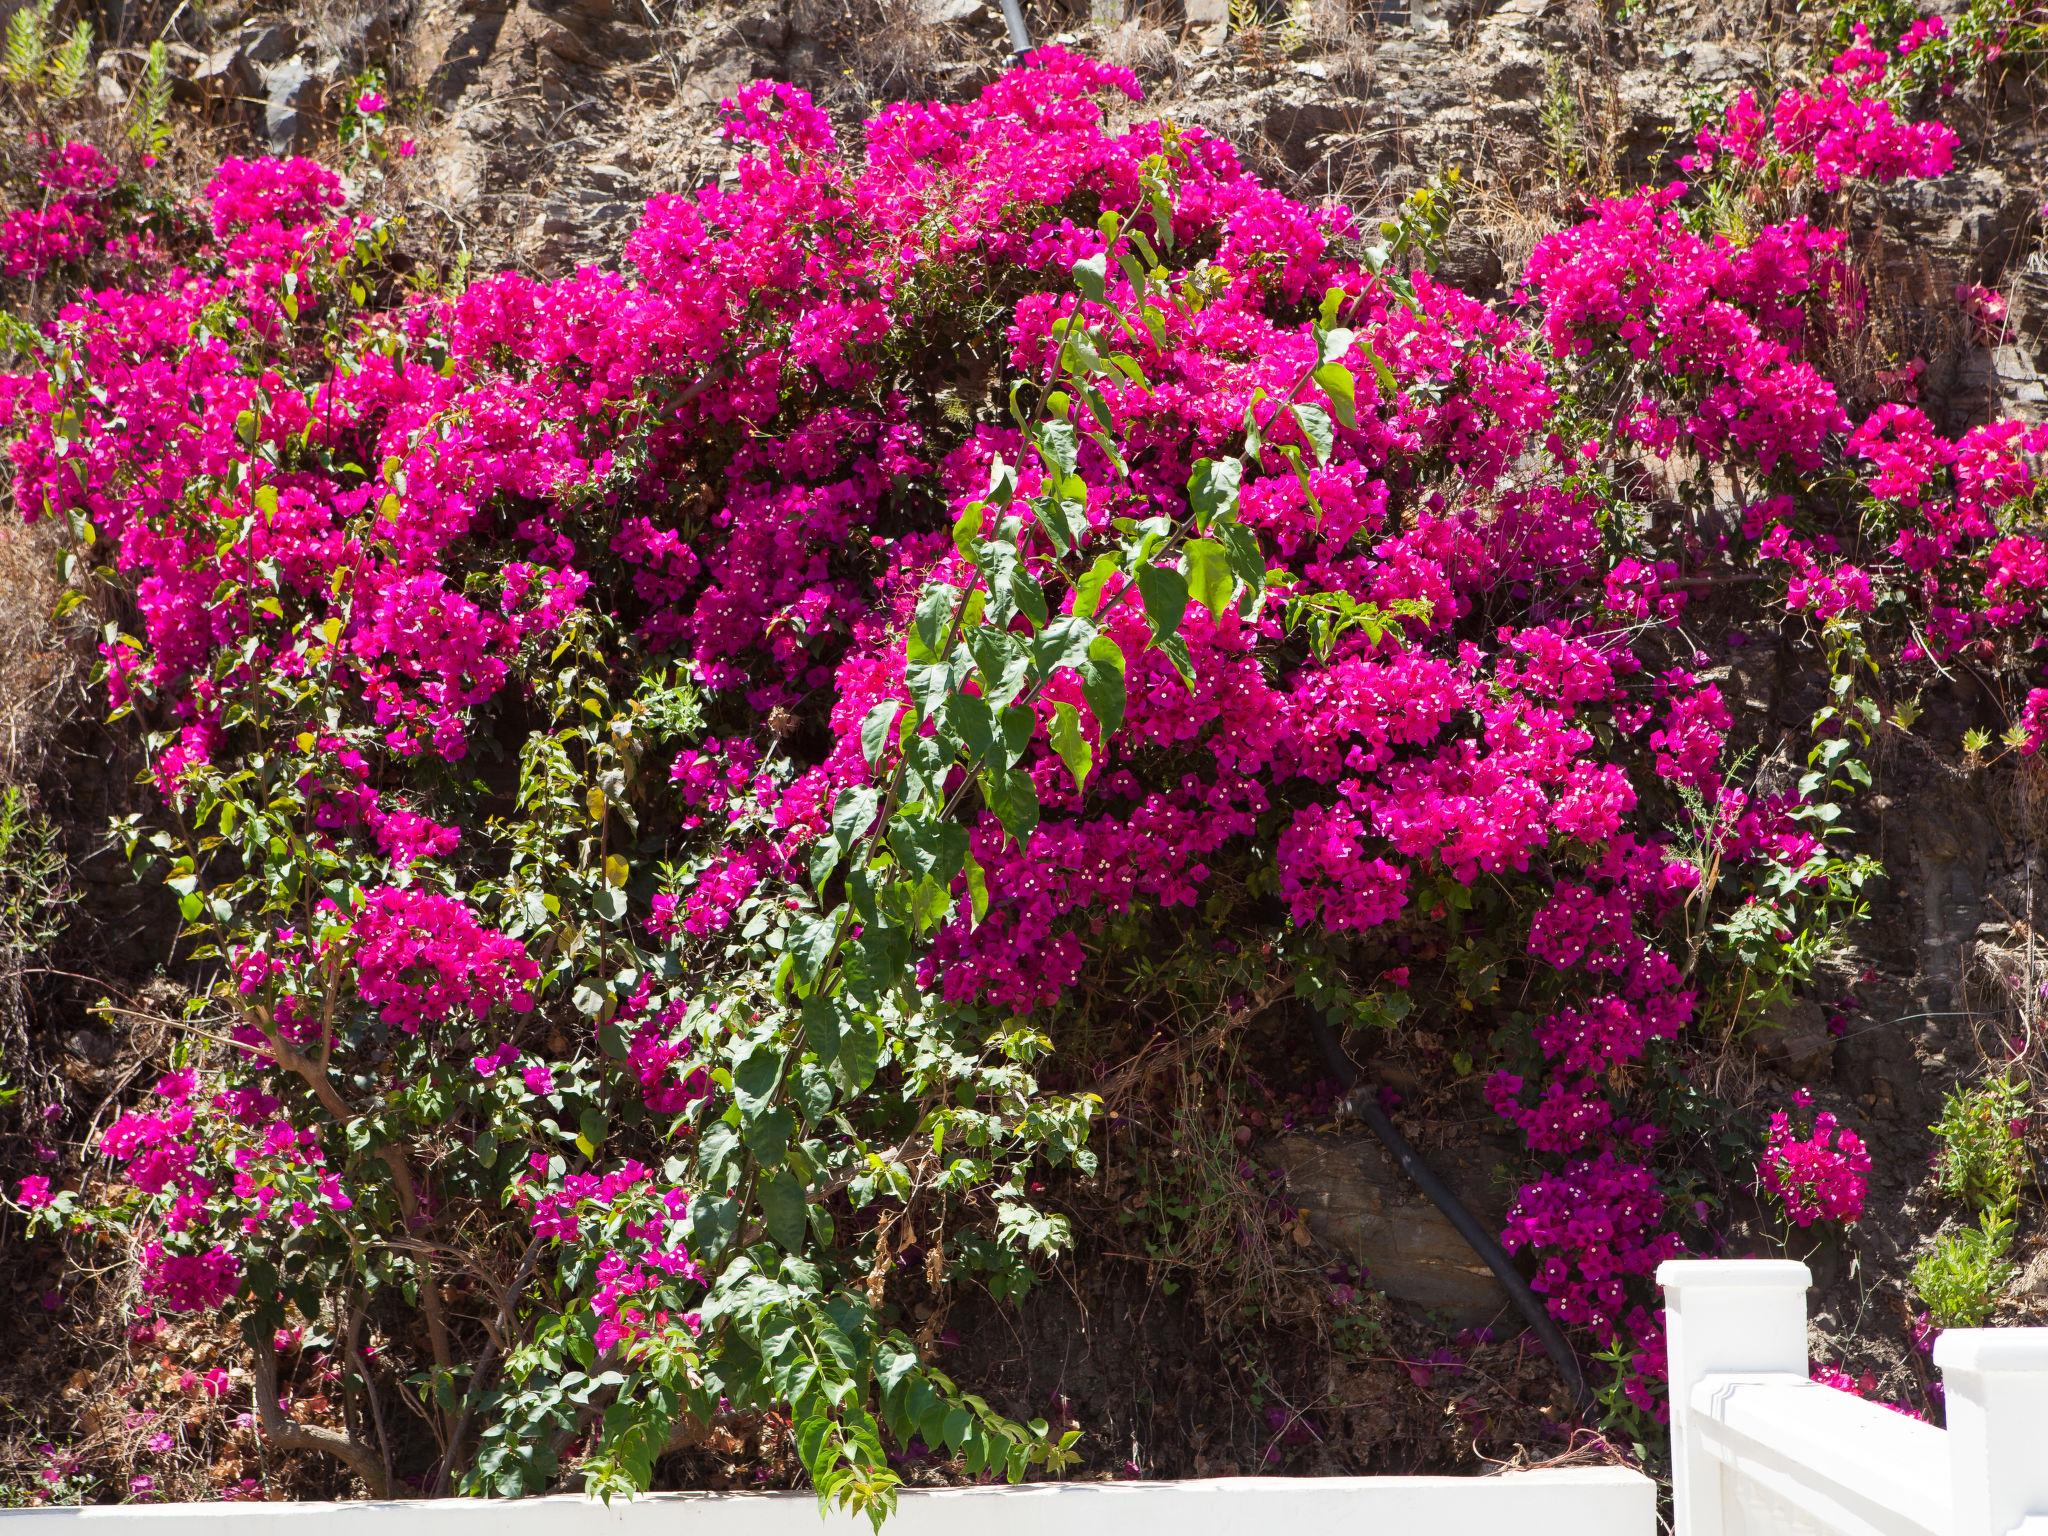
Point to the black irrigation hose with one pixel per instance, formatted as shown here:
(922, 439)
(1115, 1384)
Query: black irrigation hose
(1482, 1242)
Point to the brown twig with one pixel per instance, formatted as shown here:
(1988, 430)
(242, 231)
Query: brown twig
(508, 1301)
(295, 1061)
(286, 1435)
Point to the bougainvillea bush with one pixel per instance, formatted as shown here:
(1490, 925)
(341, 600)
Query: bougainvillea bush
(656, 762)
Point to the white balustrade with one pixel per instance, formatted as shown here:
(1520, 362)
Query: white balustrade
(1757, 1449)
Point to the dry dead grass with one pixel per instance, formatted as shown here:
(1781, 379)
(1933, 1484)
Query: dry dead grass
(42, 673)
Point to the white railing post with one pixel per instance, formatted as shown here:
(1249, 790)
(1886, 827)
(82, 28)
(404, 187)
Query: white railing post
(1995, 1385)
(1723, 1317)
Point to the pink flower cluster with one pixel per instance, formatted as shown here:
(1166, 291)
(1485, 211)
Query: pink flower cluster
(190, 1282)
(1819, 1176)
(1843, 129)
(1720, 327)
(421, 958)
(70, 222)
(1864, 1386)
(644, 1276)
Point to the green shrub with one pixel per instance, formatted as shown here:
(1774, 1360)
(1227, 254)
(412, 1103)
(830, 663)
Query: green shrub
(1960, 1279)
(1983, 1153)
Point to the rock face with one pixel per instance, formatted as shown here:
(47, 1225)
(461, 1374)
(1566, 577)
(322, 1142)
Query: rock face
(1361, 1205)
(549, 122)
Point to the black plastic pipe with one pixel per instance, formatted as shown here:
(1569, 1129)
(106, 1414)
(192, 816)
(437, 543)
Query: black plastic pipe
(1365, 1103)
(1020, 33)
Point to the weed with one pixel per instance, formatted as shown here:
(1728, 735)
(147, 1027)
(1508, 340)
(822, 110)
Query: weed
(1200, 1219)
(1960, 1279)
(1560, 118)
(28, 42)
(35, 62)
(34, 893)
(151, 128)
(1983, 1153)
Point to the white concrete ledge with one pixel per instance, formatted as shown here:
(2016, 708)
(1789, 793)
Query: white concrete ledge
(1733, 1275)
(1849, 1465)
(1589, 1501)
(1992, 1349)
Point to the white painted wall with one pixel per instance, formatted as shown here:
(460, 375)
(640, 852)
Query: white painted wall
(1603, 1501)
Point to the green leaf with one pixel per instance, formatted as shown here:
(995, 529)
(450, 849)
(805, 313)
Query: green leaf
(967, 531)
(1009, 793)
(1131, 369)
(1175, 650)
(1099, 409)
(1389, 385)
(767, 1134)
(782, 1204)
(823, 1021)
(977, 889)
(810, 946)
(875, 727)
(1247, 560)
(1335, 381)
(928, 1412)
(710, 1223)
(860, 1053)
(1088, 590)
(1102, 684)
(927, 847)
(1063, 511)
(1018, 724)
(812, 1090)
(855, 813)
(954, 1431)
(1071, 742)
(1210, 582)
(1029, 596)
(966, 718)
(1314, 422)
(1000, 563)
(1059, 447)
(928, 626)
(1063, 644)
(1089, 273)
(755, 1077)
(1213, 489)
(1002, 661)
(1002, 481)
(893, 1366)
(932, 682)
(1164, 592)
(716, 1149)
